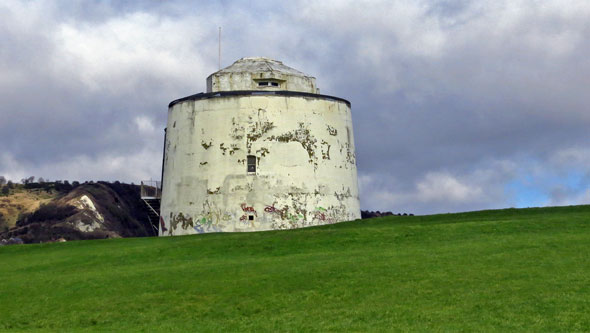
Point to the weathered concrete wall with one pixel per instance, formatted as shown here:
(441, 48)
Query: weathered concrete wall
(246, 73)
(305, 172)
(249, 81)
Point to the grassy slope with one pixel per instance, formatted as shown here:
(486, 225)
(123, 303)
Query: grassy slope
(492, 270)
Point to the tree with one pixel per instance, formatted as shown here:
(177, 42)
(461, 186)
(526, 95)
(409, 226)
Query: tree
(28, 180)
(2, 181)
(9, 184)
(66, 186)
(41, 180)
(5, 190)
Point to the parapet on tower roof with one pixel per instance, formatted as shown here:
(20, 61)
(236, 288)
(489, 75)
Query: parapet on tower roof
(260, 73)
(260, 64)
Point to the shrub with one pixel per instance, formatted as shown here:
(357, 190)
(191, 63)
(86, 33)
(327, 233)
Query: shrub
(3, 225)
(48, 212)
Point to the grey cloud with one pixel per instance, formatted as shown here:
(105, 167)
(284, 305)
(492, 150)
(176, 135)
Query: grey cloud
(444, 94)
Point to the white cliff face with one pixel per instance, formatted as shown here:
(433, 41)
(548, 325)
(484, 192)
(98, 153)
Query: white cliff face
(95, 218)
(249, 161)
(85, 227)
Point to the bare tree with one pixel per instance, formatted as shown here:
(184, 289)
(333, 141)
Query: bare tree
(2, 181)
(28, 180)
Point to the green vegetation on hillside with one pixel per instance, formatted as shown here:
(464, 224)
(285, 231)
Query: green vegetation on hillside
(42, 212)
(17, 200)
(502, 270)
(21, 201)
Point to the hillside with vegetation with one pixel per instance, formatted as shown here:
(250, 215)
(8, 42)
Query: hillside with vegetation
(504, 270)
(18, 202)
(35, 212)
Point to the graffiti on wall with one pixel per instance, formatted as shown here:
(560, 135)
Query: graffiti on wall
(294, 218)
(323, 216)
(248, 211)
(163, 225)
(272, 209)
(284, 219)
(212, 219)
(290, 216)
(179, 218)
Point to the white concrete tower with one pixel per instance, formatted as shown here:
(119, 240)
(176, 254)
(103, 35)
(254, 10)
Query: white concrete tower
(260, 150)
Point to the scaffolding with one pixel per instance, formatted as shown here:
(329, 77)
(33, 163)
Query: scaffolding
(151, 189)
(151, 193)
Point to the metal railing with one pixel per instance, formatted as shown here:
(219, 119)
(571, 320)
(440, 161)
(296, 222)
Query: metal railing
(151, 189)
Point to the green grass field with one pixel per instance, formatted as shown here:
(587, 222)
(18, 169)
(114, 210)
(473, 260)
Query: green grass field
(504, 270)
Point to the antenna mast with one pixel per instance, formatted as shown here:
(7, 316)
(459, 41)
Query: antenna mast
(219, 48)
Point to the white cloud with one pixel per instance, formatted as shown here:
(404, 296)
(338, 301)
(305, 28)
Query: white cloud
(438, 88)
(563, 196)
(571, 157)
(439, 191)
(145, 125)
(583, 199)
(441, 186)
(10, 168)
(142, 165)
(115, 55)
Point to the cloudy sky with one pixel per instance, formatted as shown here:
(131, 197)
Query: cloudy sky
(457, 105)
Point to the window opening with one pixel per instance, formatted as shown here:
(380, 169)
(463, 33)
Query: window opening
(251, 163)
(250, 217)
(268, 84)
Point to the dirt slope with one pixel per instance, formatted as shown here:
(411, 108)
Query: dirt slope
(22, 201)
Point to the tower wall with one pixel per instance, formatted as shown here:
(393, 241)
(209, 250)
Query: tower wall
(249, 81)
(305, 163)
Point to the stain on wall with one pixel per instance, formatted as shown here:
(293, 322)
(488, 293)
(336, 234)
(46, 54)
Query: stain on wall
(303, 136)
(231, 149)
(325, 150)
(206, 145)
(331, 130)
(257, 129)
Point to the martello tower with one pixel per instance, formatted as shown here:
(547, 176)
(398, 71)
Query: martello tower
(260, 150)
